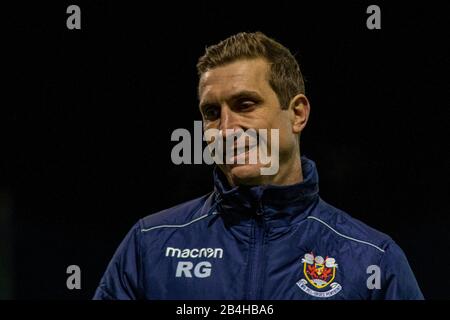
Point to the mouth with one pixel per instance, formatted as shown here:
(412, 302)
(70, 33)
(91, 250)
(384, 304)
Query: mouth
(240, 155)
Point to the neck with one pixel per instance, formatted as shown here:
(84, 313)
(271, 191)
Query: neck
(289, 173)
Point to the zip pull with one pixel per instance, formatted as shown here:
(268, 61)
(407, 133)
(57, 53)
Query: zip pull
(259, 197)
(259, 210)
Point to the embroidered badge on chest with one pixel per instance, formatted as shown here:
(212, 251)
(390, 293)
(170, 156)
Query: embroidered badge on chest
(319, 274)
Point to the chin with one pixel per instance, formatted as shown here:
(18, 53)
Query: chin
(245, 174)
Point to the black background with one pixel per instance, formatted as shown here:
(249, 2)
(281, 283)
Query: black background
(87, 115)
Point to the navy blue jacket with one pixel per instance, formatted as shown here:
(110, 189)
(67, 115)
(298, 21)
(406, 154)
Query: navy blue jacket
(263, 242)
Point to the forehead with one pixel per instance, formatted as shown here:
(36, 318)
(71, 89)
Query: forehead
(239, 75)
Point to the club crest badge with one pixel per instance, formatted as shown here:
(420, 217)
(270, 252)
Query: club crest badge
(319, 274)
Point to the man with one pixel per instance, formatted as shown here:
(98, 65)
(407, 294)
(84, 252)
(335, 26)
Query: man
(257, 236)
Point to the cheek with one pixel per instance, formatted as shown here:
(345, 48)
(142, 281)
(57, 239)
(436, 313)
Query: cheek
(286, 137)
(285, 141)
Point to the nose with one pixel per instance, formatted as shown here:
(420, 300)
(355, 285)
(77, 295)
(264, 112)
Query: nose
(228, 120)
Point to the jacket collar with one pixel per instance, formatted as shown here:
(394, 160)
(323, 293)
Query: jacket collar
(278, 205)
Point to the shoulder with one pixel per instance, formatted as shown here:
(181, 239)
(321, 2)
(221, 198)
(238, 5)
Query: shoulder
(178, 216)
(340, 224)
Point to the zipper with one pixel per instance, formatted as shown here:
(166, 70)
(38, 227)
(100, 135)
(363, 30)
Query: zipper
(257, 262)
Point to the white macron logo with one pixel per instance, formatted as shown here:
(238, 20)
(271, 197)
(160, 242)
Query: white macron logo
(194, 253)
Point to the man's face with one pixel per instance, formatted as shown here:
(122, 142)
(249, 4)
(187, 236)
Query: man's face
(238, 96)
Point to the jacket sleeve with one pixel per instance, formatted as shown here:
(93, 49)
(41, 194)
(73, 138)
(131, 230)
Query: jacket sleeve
(121, 279)
(397, 278)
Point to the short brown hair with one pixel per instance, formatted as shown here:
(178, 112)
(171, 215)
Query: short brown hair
(285, 76)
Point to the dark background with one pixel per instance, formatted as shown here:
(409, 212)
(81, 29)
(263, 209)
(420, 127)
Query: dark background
(86, 119)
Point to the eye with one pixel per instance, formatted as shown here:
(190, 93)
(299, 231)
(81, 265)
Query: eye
(211, 113)
(246, 104)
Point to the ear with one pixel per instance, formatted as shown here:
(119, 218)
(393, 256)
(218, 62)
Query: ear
(300, 109)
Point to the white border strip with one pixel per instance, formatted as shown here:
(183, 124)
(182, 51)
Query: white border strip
(177, 225)
(344, 236)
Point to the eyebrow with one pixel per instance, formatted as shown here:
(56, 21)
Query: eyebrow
(245, 94)
(235, 96)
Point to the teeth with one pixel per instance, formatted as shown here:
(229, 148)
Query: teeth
(239, 153)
